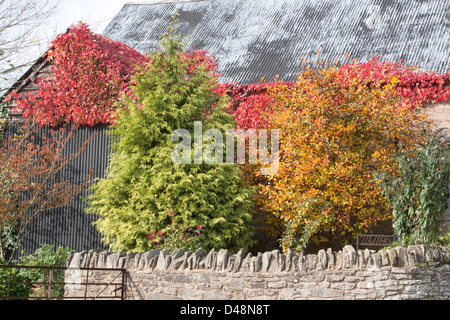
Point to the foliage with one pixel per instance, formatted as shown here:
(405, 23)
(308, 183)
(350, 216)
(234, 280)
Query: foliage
(251, 106)
(348, 106)
(445, 239)
(143, 182)
(419, 192)
(333, 138)
(30, 166)
(252, 101)
(45, 256)
(3, 122)
(415, 86)
(17, 289)
(9, 241)
(176, 236)
(90, 73)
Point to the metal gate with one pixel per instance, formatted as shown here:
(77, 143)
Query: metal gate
(374, 240)
(54, 285)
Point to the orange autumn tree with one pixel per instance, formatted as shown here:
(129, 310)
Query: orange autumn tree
(334, 135)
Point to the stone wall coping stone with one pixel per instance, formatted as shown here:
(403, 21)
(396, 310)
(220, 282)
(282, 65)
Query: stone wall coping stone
(268, 262)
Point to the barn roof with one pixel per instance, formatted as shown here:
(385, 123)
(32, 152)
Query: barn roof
(256, 38)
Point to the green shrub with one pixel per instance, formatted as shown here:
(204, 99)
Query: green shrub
(418, 195)
(143, 183)
(9, 242)
(445, 239)
(45, 256)
(15, 290)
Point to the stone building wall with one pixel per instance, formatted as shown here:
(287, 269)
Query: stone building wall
(399, 273)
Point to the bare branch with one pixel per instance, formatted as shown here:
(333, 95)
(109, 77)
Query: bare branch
(21, 36)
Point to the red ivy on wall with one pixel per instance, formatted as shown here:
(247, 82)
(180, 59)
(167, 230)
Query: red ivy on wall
(415, 86)
(91, 73)
(251, 102)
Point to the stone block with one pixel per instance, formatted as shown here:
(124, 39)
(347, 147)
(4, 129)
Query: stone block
(176, 263)
(289, 257)
(433, 253)
(256, 284)
(209, 261)
(281, 262)
(322, 292)
(301, 262)
(222, 260)
(277, 285)
(189, 294)
(415, 255)
(254, 293)
(349, 255)
(376, 259)
(266, 261)
(240, 256)
(231, 261)
(322, 262)
(277, 262)
(177, 253)
(112, 260)
(129, 259)
(216, 295)
(343, 286)
(85, 261)
(367, 257)
(137, 261)
(291, 293)
(384, 258)
(182, 278)
(164, 260)
(311, 262)
(76, 260)
(361, 259)
(393, 256)
(245, 265)
(402, 259)
(193, 261)
(149, 258)
(339, 260)
(256, 263)
(331, 261)
(295, 264)
(334, 277)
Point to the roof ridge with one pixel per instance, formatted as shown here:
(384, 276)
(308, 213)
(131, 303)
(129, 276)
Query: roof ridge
(161, 2)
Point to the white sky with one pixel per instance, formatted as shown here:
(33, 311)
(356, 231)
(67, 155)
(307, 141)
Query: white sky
(96, 13)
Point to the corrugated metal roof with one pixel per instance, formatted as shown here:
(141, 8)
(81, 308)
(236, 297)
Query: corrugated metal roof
(256, 38)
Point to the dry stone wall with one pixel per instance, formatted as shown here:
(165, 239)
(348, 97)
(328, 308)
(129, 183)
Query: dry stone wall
(415, 272)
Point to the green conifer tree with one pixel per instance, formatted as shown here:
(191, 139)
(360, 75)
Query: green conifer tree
(143, 183)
